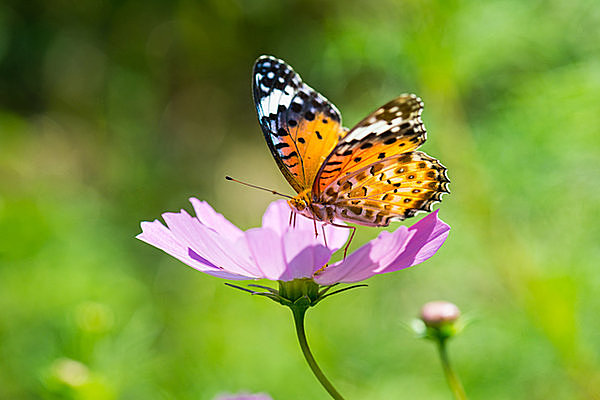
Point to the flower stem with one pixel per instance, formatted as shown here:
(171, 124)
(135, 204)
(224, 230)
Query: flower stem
(451, 376)
(299, 314)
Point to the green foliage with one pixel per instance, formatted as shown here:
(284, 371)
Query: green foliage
(112, 112)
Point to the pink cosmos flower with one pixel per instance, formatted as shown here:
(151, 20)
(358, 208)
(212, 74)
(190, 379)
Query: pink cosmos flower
(291, 255)
(277, 251)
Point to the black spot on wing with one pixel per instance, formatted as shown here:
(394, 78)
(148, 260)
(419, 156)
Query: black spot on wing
(292, 154)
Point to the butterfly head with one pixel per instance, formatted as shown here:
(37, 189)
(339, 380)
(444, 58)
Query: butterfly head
(303, 204)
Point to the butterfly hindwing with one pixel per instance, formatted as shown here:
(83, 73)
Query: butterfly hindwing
(300, 126)
(391, 189)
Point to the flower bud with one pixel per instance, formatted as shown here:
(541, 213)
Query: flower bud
(439, 321)
(437, 313)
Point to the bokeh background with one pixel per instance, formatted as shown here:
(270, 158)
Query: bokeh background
(112, 112)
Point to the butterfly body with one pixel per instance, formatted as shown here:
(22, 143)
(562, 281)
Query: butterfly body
(369, 175)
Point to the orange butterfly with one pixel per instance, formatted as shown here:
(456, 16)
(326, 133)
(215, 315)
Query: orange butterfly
(369, 175)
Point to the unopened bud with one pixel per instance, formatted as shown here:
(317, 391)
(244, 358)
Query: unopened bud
(439, 321)
(438, 313)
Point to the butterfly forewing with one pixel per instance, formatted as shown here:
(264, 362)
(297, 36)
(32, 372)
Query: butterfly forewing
(300, 126)
(392, 129)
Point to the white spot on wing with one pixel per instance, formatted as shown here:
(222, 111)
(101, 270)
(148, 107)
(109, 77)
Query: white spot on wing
(363, 132)
(269, 104)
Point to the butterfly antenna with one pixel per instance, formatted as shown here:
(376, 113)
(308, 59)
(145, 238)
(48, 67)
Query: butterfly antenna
(258, 187)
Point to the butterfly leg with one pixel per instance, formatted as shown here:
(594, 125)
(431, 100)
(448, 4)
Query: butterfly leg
(291, 218)
(351, 235)
(315, 225)
(324, 236)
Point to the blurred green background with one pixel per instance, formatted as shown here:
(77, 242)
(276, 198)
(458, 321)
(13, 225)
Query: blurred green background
(112, 112)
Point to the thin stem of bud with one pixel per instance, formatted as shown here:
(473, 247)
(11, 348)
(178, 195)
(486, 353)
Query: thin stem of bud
(299, 313)
(451, 376)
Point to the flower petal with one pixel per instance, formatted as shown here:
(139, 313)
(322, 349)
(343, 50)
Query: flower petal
(389, 252)
(336, 237)
(356, 267)
(368, 260)
(210, 245)
(209, 217)
(428, 236)
(304, 256)
(278, 251)
(265, 248)
(277, 217)
(156, 234)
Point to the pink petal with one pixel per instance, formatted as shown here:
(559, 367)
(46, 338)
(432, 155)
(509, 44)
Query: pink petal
(356, 267)
(278, 251)
(428, 236)
(209, 217)
(211, 246)
(389, 252)
(157, 235)
(303, 256)
(265, 248)
(295, 255)
(368, 260)
(277, 217)
(388, 245)
(336, 237)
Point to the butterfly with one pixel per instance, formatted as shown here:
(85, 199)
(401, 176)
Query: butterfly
(369, 175)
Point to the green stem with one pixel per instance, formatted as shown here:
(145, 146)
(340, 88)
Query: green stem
(453, 381)
(299, 322)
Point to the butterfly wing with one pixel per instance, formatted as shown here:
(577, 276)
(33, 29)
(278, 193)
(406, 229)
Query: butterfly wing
(300, 126)
(391, 189)
(374, 175)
